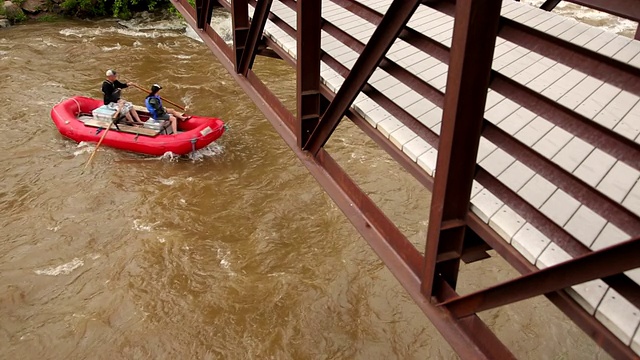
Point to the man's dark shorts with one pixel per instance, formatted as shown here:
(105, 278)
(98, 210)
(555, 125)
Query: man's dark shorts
(163, 117)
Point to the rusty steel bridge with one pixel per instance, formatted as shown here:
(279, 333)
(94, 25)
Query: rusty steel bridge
(531, 119)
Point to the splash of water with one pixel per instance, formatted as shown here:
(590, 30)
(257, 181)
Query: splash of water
(107, 48)
(210, 150)
(140, 226)
(220, 22)
(167, 182)
(63, 269)
(94, 32)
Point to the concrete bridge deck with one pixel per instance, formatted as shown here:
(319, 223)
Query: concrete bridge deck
(559, 157)
(613, 107)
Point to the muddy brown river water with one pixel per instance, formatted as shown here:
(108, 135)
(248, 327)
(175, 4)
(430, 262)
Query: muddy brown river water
(236, 253)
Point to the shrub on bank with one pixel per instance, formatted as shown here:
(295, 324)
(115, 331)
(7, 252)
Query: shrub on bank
(46, 10)
(123, 9)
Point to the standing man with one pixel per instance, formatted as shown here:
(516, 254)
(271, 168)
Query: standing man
(111, 89)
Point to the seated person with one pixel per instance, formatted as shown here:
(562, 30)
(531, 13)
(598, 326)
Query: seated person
(159, 113)
(111, 90)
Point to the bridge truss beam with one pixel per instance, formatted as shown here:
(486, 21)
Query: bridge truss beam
(432, 287)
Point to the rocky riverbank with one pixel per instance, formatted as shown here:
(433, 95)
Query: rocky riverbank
(17, 11)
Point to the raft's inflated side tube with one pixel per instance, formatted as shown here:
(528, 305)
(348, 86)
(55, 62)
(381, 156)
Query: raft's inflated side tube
(204, 130)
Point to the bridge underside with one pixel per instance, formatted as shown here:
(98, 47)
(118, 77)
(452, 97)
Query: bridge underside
(455, 233)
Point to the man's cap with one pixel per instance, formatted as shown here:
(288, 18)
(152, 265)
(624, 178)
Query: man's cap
(156, 87)
(111, 72)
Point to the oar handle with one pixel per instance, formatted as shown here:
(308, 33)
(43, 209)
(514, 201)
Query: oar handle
(163, 99)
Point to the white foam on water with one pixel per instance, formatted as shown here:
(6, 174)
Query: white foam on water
(137, 43)
(63, 269)
(144, 23)
(210, 150)
(169, 156)
(140, 226)
(167, 181)
(220, 22)
(53, 228)
(224, 262)
(161, 240)
(183, 56)
(190, 33)
(183, 201)
(107, 48)
(49, 43)
(94, 32)
(84, 150)
(605, 21)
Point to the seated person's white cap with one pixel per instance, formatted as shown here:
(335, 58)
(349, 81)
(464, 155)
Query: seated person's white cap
(111, 72)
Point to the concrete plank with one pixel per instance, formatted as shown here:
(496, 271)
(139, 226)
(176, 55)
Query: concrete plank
(573, 154)
(618, 315)
(552, 142)
(420, 107)
(585, 225)
(402, 136)
(550, 76)
(485, 204)
(618, 181)
(600, 41)
(516, 176)
(537, 191)
(493, 98)
(598, 100)
(552, 255)
(609, 236)
(407, 99)
(485, 147)
(635, 344)
(376, 116)
(501, 110)
(532, 72)
(415, 148)
(475, 188)
(588, 294)
(628, 52)
(614, 45)
(574, 31)
(431, 118)
(580, 92)
(530, 242)
(518, 66)
(534, 131)
(388, 126)
(567, 82)
(587, 36)
(564, 25)
(615, 110)
(497, 162)
(517, 120)
(632, 200)
(506, 222)
(560, 207)
(427, 161)
(629, 126)
(595, 167)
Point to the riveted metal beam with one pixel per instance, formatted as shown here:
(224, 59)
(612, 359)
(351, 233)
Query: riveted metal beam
(474, 35)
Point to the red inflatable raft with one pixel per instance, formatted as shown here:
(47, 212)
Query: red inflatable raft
(73, 118)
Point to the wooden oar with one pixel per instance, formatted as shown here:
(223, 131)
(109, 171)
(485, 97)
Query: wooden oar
(163, 99)
(115, 116)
